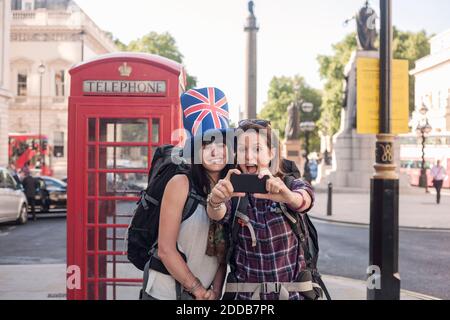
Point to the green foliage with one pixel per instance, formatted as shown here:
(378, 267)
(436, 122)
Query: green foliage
(119, 44)
(332, 71)
(160, 44)
(282, 92)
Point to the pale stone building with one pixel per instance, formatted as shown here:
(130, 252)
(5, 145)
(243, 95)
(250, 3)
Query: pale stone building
(5, 93)
(432, 89)
(51, 36)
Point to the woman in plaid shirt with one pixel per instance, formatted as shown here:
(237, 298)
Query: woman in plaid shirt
(270, 267)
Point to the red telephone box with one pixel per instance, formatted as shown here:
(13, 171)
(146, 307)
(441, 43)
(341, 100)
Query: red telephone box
(121, 107)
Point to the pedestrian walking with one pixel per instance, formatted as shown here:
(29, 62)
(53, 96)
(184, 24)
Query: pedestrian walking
(13, 171)
(25, 170)
(30, 184)
(439, 175)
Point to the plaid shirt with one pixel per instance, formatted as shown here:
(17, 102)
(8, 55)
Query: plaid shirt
(278, 256)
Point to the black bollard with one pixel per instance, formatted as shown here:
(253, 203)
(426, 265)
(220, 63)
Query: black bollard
(330, 198)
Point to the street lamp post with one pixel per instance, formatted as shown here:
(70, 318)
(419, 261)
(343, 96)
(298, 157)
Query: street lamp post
(41, 70)
(82, 34)
(383, 273)
(423, 128)
(307, 127)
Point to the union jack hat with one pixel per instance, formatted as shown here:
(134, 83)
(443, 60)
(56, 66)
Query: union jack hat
(204, 109)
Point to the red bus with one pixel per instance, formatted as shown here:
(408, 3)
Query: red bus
(437, 147)
(25, 148)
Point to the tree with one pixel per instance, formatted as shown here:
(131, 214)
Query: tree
(163, 45)
(406, 45)
(282, 92)
(119, 44)
(160, 44)
(332, 71)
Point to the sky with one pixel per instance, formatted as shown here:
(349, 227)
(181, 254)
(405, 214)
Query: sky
(209, 33)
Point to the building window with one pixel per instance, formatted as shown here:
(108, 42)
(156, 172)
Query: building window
(16, 5)
(38, 4)
(59, 83)
(22, 83)
(58, 145)
(28, 5)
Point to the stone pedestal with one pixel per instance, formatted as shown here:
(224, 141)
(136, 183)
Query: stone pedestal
(292, 150)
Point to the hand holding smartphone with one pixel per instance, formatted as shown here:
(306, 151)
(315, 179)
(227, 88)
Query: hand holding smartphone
(249, 183)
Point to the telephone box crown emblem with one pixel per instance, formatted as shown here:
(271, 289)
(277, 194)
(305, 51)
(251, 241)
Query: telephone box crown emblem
(125, 70)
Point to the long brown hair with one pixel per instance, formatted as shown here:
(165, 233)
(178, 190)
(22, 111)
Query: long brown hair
(273, 142)
(200, 178)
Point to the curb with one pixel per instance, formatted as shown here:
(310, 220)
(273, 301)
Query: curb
(417, 295)
(361, 224)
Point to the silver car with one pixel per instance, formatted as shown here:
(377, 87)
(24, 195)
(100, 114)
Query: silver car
(13, 203)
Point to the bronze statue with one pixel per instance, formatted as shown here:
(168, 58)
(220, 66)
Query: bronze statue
(366, 26)
(292, 131)
(251, 6)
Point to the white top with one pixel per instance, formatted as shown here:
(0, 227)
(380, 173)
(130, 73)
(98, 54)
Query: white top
(438, 173)
(192, 241)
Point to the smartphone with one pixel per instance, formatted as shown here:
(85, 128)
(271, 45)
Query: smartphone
(248, 183)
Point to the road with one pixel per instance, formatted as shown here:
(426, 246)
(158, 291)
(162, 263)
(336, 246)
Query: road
(37, 242)
(424, 255)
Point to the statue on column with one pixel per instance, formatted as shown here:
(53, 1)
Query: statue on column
(292, 131)
(366, 26)
(251, 6)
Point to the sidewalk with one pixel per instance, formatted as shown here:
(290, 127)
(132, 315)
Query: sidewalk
(416, 210)
(47, 282)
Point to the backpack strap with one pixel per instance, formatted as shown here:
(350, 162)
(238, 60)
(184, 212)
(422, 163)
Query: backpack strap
(192, 201)
(301, 229)
(238, 207)
(146, 200)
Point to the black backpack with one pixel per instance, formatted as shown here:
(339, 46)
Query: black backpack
(142, 234)
(301, 225)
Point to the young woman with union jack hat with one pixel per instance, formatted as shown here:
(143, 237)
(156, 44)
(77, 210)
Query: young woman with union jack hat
(181, 244)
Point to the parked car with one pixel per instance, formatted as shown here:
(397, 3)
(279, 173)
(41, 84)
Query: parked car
(13, 203)
(51, 194)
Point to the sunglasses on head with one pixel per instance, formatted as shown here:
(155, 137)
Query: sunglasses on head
(259, 122)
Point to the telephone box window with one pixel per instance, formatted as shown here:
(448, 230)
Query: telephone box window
(123, 130)
(155, 130)
(123, 158)
(91, 211)
(92, 178)
(91, 129)
(122, 184)
(91, 157)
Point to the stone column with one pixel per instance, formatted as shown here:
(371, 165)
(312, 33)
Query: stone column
(251, 28)
(5, 94)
